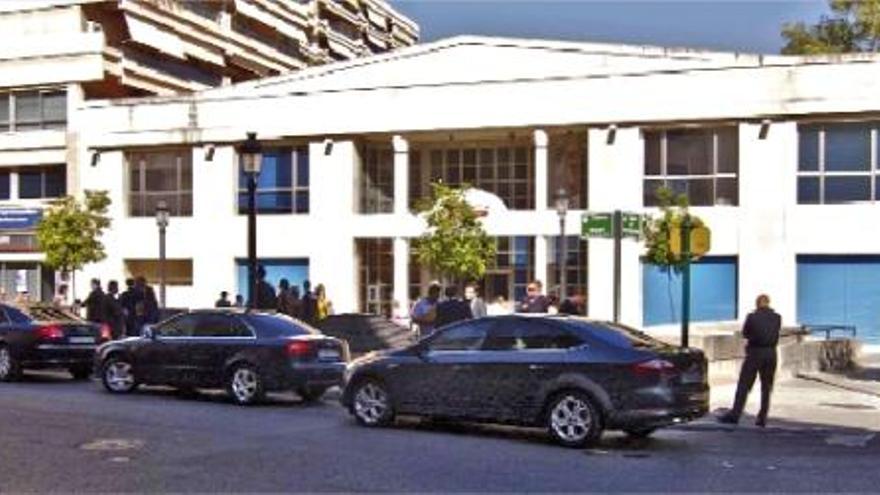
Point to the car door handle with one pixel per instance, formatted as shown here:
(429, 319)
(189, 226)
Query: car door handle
(536, 367)
(460, 367)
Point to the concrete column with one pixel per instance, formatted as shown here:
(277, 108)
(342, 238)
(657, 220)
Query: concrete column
(541, 245)
(332, 195)
(75, 98)
(768, 191)
(620, 164)
(401, 276)
(541, 172)
(401, 175)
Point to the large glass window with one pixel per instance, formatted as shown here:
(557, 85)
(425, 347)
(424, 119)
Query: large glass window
(376, 275)
(295, 270)
(43, 182)
(177, 271)
(701, 163)
(4, 185)
(713, 292)
(835, 163)
(156, 176)
(31, 110)
(506, 171)
(283, 183)
(377, 180)
(575, 266)
(567, 169)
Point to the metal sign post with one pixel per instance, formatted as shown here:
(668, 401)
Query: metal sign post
(614, 225)
(686, 281)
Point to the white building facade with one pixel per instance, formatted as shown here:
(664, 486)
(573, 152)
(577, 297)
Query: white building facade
(777, 154)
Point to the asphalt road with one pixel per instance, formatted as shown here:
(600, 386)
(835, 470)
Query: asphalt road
(57, 435)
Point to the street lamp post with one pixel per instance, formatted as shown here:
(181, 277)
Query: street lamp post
(162, 216)
(251, 153)
(562, 204)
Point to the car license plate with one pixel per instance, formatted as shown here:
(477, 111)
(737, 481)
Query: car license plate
(328, 354)
(81, 340)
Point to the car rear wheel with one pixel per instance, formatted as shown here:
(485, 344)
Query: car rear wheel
(117, 374)
(311, 394)
(9, 367)
(573, 420)
(371, 404)
(245, 385)
(640, 432)
(80, 372)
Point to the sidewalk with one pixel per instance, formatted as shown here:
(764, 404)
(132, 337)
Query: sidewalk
(816, 399)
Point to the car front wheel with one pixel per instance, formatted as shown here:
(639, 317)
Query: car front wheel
(117, 375)
(371, 404)
(245, 385)
(573, 420)
(9, 368)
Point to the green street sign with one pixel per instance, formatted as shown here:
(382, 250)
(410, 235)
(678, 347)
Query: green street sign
(597, 225)
(632, 224)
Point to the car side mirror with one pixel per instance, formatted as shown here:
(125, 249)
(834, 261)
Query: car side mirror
(149, 332)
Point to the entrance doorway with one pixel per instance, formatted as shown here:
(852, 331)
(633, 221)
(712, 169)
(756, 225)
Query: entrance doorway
(498, 283)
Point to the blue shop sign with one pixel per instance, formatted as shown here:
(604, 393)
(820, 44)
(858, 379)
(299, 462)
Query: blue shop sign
(20, 218)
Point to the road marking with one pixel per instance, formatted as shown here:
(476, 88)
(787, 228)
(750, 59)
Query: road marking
(112, 444)
(850, 440)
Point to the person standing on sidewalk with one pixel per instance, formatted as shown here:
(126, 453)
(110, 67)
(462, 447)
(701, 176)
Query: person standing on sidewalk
(761, 330)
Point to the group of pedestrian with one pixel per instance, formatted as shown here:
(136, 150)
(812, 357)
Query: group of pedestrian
(124, 313)
(309, 306)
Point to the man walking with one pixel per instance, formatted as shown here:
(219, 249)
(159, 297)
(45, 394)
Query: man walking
(478, 306)
(114, 312)
(224, 301)
(761, 330)
(95, 303)
(424, 313)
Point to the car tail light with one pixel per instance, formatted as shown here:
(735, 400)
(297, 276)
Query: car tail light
(50, 332)
(298, 348)
(654, 367)
(106, 334)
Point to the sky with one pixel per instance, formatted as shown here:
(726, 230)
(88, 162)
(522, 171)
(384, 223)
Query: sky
(729, 25)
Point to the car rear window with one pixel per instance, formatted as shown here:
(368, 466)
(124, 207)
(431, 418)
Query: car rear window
(620, 335)
(16, 315)
(278, 326)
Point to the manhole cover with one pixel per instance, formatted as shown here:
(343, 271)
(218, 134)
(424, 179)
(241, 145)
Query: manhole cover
(112, 445)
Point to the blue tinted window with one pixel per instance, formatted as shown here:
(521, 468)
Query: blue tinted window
(840, 290)
(808, 148)
(295, 270)
(713, 292)
(302, 167)
(4, 185)
(30, 185)
(847, 147)
(808, 190)
(847, 189)
(282, 185)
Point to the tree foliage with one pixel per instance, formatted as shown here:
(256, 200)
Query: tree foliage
(673, 210)
(852, 26)
(455, 245)
(70, 232)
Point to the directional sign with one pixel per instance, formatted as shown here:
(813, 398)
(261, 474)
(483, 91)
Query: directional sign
(19, 218)
(701, 241)
(632, 224)
(597, 225)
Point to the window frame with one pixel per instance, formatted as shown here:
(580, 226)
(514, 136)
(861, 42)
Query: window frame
(296, 187)
(487, 324)
(137, 162)
(12, 123)
(233, 322)
(872, 173)
(715, 175)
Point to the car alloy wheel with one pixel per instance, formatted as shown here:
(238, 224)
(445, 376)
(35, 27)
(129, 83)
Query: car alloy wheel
(372, 404)
(573, 420)
(8, 368)
(118, 376)
(245, 385)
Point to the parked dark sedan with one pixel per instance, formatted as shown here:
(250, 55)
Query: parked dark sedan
(572, 376)
(45, 337)
(248, 353)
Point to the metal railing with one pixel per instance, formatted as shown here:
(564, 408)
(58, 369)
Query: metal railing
(829, 329)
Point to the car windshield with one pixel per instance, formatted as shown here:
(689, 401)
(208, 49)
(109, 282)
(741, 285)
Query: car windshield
(621, 335)
(279, 326)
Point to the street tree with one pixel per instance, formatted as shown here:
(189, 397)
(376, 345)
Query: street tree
(70, 232)
(853, 26)
(455, 246)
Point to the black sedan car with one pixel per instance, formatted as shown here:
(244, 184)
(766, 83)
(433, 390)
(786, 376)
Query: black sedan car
(45, 337)
(573, 377)
(248, 353)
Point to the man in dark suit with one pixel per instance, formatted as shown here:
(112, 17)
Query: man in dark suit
(761, 330)
(452, 309)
